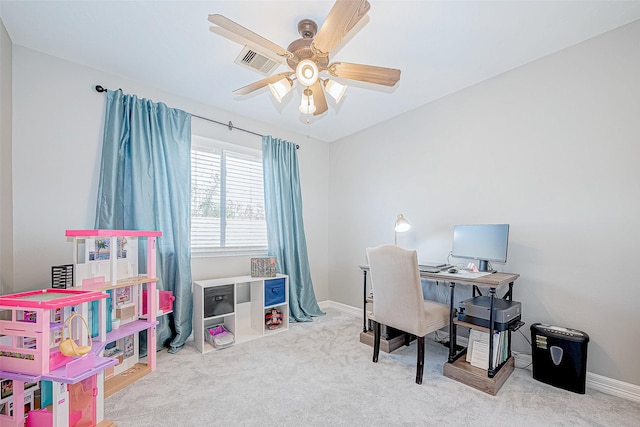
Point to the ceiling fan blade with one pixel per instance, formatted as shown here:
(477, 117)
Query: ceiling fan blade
(261, 83)
(365, 73)
(247, 34)
(343, 16)
(319, 99)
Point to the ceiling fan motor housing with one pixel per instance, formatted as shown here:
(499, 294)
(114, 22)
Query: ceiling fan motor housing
(307, 28)
(301, 48)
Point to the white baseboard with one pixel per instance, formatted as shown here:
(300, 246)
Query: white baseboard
(594, 381)
(342, 307)
(613, 387)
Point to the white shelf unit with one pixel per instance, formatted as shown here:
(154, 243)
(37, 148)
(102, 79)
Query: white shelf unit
(247, 320)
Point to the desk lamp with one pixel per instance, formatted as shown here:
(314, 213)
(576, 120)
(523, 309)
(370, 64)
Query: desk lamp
(402, 225)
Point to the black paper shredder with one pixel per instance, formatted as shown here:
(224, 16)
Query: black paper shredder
(559, 356)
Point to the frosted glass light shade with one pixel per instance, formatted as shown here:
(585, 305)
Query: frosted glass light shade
(280, 88)
(306, 104)
(307, 72)
(335, 89)
(402, 224)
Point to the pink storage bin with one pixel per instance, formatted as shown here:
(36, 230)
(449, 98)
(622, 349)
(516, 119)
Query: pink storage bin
(165, 301)
(40, 418)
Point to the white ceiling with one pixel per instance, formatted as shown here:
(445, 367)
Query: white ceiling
(440, 46)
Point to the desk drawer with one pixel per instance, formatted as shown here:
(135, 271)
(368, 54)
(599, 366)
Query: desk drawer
(274, 290)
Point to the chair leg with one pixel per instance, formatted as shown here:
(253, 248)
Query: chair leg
(420, 361)
(407, 339)
(376, 341)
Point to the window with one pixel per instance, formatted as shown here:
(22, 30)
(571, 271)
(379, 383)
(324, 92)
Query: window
(227, 199)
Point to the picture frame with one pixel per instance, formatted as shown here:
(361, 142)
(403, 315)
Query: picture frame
(128, 346)
(100, 249)
(123, 295)
(263, 267)
(6, 388)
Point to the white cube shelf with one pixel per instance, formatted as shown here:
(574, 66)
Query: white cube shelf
(247, 320)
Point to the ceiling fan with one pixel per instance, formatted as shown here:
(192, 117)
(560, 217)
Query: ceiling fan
(309, 56)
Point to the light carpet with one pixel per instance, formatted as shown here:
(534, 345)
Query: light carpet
(319, 374)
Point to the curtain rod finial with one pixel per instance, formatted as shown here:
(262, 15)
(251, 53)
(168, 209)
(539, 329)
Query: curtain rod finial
(100, 89)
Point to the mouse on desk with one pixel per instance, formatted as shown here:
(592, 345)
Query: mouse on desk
(452, 270)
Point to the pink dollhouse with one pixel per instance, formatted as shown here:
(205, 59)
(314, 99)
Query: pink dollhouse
(106, 269)
(28, 354)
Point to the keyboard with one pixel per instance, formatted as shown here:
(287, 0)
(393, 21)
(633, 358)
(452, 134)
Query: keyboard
(466, 274)
(461, 272)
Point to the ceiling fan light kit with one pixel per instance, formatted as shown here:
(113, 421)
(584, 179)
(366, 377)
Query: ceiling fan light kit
(281, 88)
(307, 105)
(308, 56)
(334, 89)
(307, 72)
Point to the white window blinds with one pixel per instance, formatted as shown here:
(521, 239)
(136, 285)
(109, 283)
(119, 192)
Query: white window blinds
(227, 200)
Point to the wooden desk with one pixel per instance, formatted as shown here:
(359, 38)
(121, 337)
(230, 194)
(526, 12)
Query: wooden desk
(453, 369)
(493, 282)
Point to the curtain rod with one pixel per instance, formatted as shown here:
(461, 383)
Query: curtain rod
(228, 125)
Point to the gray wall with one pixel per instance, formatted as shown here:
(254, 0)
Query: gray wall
(57, 138)
(6, 233)
(551, 148)
(547, 148)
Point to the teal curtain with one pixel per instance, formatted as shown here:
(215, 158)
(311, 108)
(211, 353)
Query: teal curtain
(145, 184)
(285, 229)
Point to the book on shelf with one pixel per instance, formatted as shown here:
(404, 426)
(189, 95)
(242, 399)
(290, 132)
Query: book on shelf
(478, 349)
(480, 355)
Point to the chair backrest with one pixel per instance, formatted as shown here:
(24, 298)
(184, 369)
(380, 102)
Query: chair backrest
(398, 301)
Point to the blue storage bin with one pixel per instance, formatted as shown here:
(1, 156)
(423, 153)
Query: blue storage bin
(274, 291)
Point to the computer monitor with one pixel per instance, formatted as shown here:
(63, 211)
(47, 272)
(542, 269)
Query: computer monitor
(482, 242)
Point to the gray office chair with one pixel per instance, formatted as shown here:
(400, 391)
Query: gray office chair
(398, 301)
